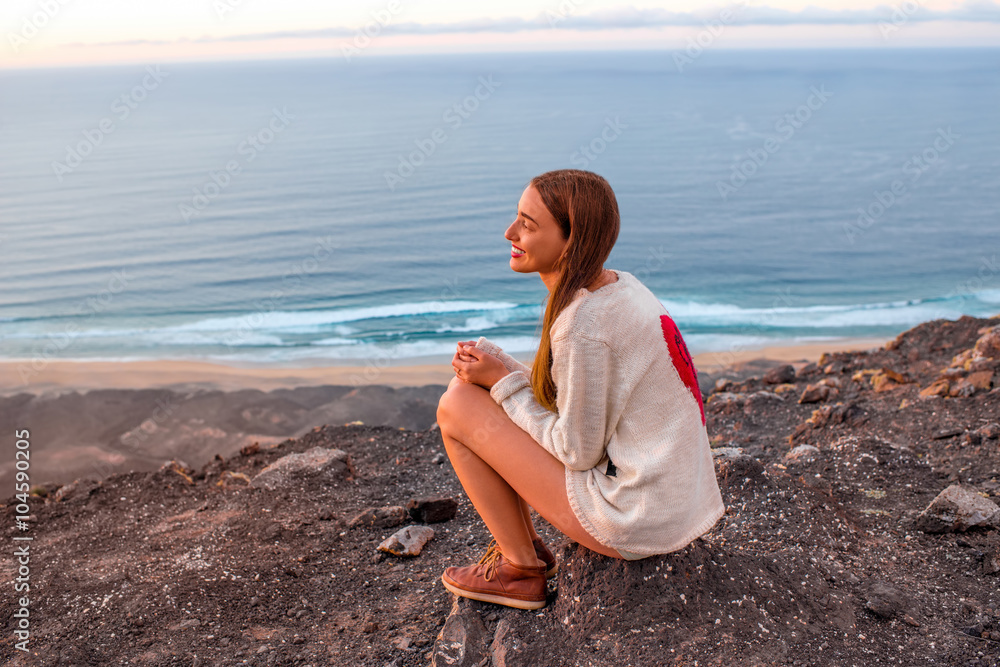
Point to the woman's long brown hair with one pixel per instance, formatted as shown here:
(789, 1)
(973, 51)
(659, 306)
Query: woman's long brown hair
(585, 207)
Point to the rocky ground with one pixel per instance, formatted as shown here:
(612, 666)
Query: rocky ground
(825, 556)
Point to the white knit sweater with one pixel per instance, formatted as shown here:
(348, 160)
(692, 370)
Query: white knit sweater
(629, 425)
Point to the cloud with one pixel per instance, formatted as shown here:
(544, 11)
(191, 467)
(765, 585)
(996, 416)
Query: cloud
(979, 11)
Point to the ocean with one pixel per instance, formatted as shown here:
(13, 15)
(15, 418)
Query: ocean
(325, 211)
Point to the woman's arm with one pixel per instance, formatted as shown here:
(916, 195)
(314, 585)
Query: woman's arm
(578, 432)
(509, 362)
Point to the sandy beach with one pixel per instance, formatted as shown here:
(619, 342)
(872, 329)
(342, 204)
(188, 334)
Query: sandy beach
(17, 376)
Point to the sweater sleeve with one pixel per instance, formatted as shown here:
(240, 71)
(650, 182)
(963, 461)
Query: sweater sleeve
(509, 362)
(577, 433)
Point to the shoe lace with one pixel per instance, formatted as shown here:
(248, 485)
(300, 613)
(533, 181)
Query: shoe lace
(491, 559)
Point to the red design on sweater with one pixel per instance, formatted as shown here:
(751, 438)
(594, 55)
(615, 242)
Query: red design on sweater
(681, 359)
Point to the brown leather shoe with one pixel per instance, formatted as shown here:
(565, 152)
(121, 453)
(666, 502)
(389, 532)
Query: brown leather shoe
(541, 552)
(495, 579)
(547, 557)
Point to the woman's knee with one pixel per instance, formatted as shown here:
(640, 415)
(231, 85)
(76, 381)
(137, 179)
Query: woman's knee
(449, 403)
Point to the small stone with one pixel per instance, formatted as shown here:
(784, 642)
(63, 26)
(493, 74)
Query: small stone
(737, 467)
(439, 458)
(939, 387)
(434, 509)
(814, 393)
(884, 600)
(988, 345)
(380, 517)
(463, 639)
(802, 453)
(324, 465)
(780, 374)
(991, 562)
(991, 431)
(79, 489)
(962, 389)
(982, 380)
(250, 450)
(229, 480)
(956, 509)
(408, 541)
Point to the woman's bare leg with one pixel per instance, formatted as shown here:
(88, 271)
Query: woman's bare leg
(526, 512)
(503, 470)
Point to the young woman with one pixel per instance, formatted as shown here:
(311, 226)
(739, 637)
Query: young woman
(604, 435)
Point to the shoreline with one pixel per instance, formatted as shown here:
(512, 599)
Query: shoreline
(56, 377)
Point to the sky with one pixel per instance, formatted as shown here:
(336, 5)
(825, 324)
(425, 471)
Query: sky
(46, 33)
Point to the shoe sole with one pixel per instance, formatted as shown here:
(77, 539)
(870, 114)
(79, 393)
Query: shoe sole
(495, 599)
(552, 571)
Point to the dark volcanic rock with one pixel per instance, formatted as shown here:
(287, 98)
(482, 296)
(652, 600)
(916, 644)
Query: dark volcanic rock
(432, 510)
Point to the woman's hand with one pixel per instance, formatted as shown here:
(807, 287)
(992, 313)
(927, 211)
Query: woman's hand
(475, 366)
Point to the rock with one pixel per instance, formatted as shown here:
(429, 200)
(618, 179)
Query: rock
(380, 517)
(886, 380)
(981, 380)
(463, 639)
(721, 384)
(725, 398)
(949, 432)
(180, 468)
(407, 541)
(439, 458)
(780, 374)
(939, 387)
(250, 450)
(229, 480)
(990, 431)
(836, 414)
(802, 454)
(884, 601)
(962, 389)
(77, 490)
(814, 393)
(991, 563)
(988, 345)
(432, 510)
(810, 368)
(958, 508)
(760, 398)
(731, 466)
(186, 623)
(727, 452)
(329, 465)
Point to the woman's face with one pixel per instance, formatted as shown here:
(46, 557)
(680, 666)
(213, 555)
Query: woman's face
(535, 236)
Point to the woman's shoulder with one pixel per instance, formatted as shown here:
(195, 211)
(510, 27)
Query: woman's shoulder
(606, 312)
